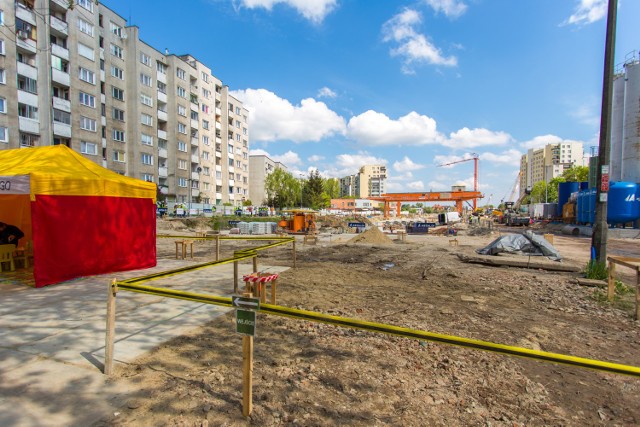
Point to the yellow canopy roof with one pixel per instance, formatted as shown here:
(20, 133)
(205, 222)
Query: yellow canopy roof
(58, 170)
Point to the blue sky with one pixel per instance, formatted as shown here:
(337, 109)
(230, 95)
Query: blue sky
(335, 84)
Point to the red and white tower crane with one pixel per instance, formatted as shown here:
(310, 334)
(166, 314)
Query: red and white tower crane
(475, 159)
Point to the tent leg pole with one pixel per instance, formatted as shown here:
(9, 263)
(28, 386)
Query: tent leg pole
(111, 328)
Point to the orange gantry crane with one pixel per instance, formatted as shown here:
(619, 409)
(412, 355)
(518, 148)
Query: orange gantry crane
(475, 159)
(457, 196)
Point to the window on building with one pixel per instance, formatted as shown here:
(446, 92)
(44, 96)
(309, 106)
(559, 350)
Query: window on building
(4, 134)
(182, 146)
(60, 116)
(24, 83)
(182, 182)
(238, 110)
(2, 52)
(162, 87)
(146, 100)
(147, 177)
(59, 64)
(86, 75)
(182, 164)
(3, 76)
(86, 51)
(118, 135)
(205, 124)
(87, 4)
(230, 148)
(117, 51)
(182, 128)
(161, 68)
(205, 140)
(85, 27)
(115, 29)
(145, 59)
(180, 73)
(182, 110)
(118, 114)
(146, 80)
(88, 148)
(206, 93)
(28, 111)
(118, 156)
(86, 123)
(146, 119)
(117, 93)
(205, 155)
(147, 139)
(147, 159)
(117, 72)
(88, 100)
(182, 92)
(3, 105)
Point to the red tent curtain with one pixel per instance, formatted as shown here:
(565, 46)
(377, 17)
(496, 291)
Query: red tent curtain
(86, 235)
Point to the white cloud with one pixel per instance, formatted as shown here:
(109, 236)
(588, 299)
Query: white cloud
(273, 118)
(509, 157)
(288, 159)
(406, 165)
(588, 12)
(355, 161)
(541, 141)
(325, 92)
(479, 137)
(415, 185)
(259, 152)
(313, 10)
(315, 158)
(451, 8)
(373, 128)
(438, 186)
(588, 114)
(412, 46)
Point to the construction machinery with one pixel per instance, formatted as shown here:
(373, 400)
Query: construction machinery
(511, 215)
(298, 221)
(457, 195)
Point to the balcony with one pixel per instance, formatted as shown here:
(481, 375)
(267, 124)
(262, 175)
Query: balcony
(218, 140)
(195, 158)
(25, 14)
(231, 169)
(59, 51)
(27, 98)
(218, 196)
(61, 3)
(195, 192)
(218, 112)
(162, 134)
(28, 125)
(194, 141)
(61, 129)
(232, 182)
(162, 97)
(194, 124)
(163, 116)
(104, 142)
(103, 76)
(26, 44)
(161, 77)
(60, 77)
(27, 71)
(218, 154)
(162, 153)
(59, 26)
(103, 98)
(103, 120)
(194, 106)
(61, 104)
(218, 168)
(195, 176)
(163, 172)
(219, 127)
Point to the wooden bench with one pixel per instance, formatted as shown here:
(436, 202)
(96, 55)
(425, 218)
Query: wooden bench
(183, 248)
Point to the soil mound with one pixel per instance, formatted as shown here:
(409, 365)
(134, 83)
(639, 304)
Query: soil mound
(373, 235)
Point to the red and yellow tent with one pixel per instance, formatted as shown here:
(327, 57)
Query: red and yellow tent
(83, 219)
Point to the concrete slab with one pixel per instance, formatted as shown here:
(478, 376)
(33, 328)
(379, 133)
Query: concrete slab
(52, 339)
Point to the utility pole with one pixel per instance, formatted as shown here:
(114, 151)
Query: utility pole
(599, 238)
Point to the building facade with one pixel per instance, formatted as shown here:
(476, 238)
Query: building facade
(260, 166)
(118, 101)
(370, 181)
(544, 164)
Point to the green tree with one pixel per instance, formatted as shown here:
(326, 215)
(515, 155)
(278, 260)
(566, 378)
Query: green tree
(282, 189)
(313, 191)
(544, 193)
(247, 203)
(332, 187)
(576, 174)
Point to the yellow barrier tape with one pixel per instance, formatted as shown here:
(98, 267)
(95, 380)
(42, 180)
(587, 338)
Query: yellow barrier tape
(239, 255)
(395, 330)
(225, 237)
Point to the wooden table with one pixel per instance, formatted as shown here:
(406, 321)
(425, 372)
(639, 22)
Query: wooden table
(183, 248)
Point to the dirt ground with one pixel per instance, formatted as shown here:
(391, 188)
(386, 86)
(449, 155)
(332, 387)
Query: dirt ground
(316, 375)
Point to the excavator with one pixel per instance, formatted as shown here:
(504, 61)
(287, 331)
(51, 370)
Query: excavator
(511, 214)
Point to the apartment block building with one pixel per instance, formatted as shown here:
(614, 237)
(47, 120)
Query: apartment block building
(544, 164)
(85, 79)
(261, 166)
(368, 182)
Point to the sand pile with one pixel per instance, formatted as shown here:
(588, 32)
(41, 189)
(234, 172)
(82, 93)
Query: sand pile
(373, 236)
